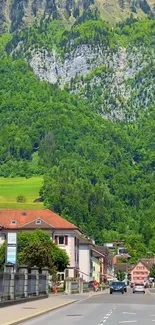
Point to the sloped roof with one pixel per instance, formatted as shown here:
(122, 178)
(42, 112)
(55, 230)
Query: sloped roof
(102, 249)
(148, 263)
(24, 217)
(85, 241)
(96, 253)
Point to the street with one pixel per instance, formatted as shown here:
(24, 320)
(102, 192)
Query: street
(104, 309)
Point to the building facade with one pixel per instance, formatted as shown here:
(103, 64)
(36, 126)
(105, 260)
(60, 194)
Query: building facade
(96, 269)
(63, 233)
(85, 259)
(140, 272)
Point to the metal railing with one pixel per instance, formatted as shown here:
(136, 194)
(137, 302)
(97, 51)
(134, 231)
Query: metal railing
(16, 285)
(5, 279)
(42, 283)
(19, 283)
(31, 284)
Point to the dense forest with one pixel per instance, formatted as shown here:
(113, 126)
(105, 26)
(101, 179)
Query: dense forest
(98, 172)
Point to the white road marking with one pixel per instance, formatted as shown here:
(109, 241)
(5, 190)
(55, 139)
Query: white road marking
(128, 321)
(153, 320)
(107, 316)
(127, 313)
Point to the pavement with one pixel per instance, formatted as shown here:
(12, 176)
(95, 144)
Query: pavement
(100, 309)
(17, 314)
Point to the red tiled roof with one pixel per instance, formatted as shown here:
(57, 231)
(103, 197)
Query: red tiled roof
(24, 217)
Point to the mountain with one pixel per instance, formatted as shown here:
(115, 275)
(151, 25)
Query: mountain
(77, 105)
(112, 69)
(17, 13)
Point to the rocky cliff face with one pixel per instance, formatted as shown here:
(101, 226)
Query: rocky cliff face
(16, 13)
(89, 70)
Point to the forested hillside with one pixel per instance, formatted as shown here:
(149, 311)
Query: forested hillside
(112, 69)
(91, 136)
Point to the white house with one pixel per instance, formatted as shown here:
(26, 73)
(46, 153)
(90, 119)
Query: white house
(85, 259)
(65, 234)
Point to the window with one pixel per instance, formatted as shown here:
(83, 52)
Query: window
(38, 222)
(61, 240)
(13, 222)
(60, 276)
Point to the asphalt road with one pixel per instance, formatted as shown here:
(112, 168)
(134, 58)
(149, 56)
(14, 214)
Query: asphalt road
(104, 309)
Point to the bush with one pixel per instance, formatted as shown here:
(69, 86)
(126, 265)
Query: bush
(21, 199)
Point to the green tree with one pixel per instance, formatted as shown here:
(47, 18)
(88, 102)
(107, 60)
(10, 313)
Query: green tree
(36, 248)
(120, 275)
(152, 272)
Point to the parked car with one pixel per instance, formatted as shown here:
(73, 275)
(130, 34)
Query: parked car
(139, 287)
(117, 287)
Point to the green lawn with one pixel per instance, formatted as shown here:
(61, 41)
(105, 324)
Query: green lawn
(10, 188)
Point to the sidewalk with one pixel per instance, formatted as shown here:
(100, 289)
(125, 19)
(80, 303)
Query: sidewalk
(19, 313)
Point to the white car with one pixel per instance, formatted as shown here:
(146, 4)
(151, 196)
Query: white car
(138, 287)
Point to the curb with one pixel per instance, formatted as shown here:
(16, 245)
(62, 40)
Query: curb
(150, 293)
(45, 311)
(99, 293)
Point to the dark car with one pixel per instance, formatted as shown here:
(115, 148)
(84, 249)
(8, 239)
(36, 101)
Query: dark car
(117, 287)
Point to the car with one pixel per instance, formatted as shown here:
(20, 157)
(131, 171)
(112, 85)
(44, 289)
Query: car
(139, 287)
(117, 287)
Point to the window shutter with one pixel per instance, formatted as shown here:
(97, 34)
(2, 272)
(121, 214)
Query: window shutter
(75, 241)
(66, 240)
(56, 240)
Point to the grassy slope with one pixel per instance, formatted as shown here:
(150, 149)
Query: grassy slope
(111, 12)
(10, 188)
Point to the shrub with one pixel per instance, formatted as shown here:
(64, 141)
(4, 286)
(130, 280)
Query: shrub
(21, 199)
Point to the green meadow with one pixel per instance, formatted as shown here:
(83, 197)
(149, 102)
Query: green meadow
(10, 188)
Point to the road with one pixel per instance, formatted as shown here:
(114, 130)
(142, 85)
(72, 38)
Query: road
(104, 309)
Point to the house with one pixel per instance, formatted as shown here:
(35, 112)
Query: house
(119, 257)
(85, 258)
(62, 232)
(98, 264)
(140, 272)
(102, 254)
(106, 262)
(96, 267)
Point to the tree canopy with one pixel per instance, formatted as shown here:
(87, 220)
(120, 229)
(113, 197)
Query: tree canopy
(98, 172)
(37, 249)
